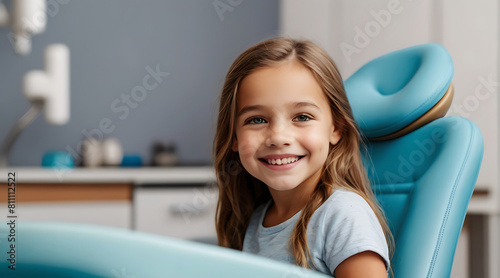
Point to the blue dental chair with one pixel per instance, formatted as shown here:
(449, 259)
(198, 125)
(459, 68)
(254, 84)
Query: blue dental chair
(423, 168)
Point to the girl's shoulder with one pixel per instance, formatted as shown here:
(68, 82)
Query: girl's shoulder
(342, 198)
(347, 206)
(349, 226)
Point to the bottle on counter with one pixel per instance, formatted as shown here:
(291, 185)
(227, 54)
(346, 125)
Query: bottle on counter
(163, 155)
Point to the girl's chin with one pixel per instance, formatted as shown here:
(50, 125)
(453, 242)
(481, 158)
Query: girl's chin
(281, 187)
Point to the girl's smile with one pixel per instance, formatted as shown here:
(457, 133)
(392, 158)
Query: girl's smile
(284, 127)
(281, 162)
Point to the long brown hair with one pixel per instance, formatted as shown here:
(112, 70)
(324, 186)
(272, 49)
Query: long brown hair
(240, 193)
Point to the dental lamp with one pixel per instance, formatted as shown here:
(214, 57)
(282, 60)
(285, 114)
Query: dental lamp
(28, 17)
(49, 88)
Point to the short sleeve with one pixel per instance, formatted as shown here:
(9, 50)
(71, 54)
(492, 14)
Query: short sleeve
(350, 227)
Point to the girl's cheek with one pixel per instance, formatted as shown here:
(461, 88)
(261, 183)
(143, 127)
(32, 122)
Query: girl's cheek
(313, 137)
(246, 146)
(316, 141)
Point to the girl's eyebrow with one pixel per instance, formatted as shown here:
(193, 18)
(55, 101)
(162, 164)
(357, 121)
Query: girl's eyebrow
(300, 104)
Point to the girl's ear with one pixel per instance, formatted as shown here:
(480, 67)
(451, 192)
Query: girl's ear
(335, 136)
(234, 147)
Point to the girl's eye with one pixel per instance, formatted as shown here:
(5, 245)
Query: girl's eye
(256, 121)
(303, 118)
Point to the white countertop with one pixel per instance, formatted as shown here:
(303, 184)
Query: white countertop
(151, 175)
(110, 175)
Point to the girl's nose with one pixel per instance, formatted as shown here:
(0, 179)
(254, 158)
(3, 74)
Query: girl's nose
(278, 135)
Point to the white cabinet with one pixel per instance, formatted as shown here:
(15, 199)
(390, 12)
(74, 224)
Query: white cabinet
(105, 213)
(185, 211)
(174, 201)
(102, 204)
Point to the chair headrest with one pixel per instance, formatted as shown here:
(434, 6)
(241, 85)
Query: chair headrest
(400, 91)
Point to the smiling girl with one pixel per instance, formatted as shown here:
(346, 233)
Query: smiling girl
(299, 192)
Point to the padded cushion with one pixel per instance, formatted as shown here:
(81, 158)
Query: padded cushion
(392, 91)
(424, 181)
(56, 250)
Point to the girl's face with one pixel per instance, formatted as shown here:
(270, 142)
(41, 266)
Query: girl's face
(283, 113)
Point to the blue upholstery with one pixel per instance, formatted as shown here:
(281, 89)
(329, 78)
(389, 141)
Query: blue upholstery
(392, 91)
(423, 180)
(58, 250)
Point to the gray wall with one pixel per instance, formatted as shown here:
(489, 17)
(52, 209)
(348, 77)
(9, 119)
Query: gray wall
(111, 44)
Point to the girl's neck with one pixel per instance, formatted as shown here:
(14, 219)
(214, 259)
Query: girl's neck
(288, 203)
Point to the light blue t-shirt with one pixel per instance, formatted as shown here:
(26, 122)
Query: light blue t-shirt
(342, 226)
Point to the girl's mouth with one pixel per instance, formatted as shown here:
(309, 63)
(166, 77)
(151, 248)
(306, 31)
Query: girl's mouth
(281, 162)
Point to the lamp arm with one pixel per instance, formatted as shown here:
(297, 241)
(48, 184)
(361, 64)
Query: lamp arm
(14, 132)
(4, 16)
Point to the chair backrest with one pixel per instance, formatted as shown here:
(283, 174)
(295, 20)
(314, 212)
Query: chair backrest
(423, 168)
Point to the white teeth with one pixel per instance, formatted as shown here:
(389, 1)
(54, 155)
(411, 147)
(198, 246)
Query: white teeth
(282, 161)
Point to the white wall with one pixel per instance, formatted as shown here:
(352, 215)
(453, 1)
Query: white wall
(470, 33)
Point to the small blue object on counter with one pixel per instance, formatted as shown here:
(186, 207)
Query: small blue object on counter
(58, 159)
(131, 160)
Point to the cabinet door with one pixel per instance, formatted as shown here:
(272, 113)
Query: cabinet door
(96, 204)
(181, 212)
